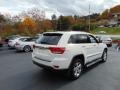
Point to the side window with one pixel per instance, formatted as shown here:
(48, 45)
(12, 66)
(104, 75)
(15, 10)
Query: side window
(22, 39)
(28, 39)
(79, 38)
(92, 39)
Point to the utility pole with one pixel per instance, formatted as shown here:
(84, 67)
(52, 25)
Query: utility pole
(89, 16)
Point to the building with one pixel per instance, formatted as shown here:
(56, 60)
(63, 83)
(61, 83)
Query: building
(115, 19)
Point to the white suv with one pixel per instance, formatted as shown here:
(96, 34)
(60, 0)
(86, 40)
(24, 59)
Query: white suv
(70, 51)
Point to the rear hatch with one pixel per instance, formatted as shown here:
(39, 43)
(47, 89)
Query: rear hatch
(46, 46)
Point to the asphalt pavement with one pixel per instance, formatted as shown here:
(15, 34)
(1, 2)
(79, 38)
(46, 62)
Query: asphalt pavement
(17, 72)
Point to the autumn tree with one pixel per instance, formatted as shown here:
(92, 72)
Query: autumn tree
(2, 18)
(105, 14)
(47, 25)
(71, 20)
(54, 21)
(37, 15)
(115, 9)
(34, 13)
(28, 26)
(63, 23)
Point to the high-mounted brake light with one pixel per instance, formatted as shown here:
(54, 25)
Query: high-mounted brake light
(57, 50)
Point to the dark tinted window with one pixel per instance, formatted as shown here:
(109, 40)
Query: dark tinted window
(92, 39)
(79, 38)
(30, 39)
(27, 39)
(13, 37)
(49, 39)
(22, 39)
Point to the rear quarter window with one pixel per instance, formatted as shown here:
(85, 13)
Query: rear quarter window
(49, 39)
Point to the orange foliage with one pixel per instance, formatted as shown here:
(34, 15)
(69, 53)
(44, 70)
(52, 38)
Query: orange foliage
(71, 20)
(28, 26)
(47, 25)
(29, 22)
(115, 9)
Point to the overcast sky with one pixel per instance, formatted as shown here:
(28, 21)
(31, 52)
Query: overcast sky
(64, 7)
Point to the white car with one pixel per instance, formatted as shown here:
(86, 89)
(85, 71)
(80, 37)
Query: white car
(12, 41)
(106, 39)
(70, 51)
(25, 44)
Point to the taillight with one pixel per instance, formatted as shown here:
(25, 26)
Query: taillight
(57, 50)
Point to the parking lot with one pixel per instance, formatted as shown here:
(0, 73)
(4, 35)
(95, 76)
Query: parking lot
(17, 72)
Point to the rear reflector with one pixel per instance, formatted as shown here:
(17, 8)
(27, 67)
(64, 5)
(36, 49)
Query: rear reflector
(57, 50)
(55, 66)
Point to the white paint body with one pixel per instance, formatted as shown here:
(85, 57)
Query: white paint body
(90, 51)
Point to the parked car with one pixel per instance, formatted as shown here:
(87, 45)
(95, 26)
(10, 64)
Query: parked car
(70, 51)
(11, 37)
(12, 41)
(25, 44)
(1, 42)
(37, 36)
(106, 39)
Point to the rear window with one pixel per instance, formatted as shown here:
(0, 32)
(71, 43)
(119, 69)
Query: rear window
(12, 38)
(27, 39)
(49, 39)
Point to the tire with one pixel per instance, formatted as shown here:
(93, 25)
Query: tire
(75, 69)
(109, 45)
(27, 48)
(104, 56)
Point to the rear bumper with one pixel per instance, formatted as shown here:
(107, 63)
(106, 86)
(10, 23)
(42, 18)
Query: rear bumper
(19, 48)
(56, 64)
(11, 46)
(41, 65)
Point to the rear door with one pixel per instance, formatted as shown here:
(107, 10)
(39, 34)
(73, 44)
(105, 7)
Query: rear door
(81, 42)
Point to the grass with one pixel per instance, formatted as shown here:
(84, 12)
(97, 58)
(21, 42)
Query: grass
(108, 30)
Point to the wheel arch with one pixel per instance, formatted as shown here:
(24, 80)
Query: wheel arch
(27, 46)
(106, 49)
(81, 56)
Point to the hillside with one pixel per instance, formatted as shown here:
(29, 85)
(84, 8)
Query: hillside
(108, 12)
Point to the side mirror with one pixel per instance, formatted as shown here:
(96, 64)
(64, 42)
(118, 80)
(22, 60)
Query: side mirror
(100, 41)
